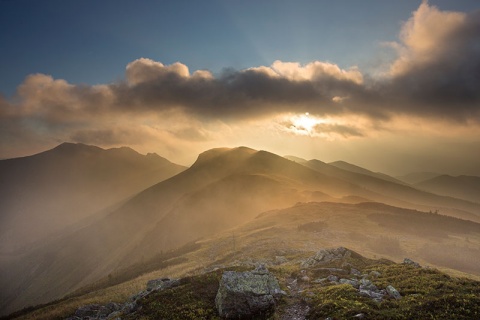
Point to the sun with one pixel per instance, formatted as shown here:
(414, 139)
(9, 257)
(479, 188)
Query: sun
(304, 124)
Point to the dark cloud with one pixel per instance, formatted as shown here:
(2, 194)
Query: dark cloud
(438, 72)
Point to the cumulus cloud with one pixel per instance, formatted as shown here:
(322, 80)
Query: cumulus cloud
(437, 72)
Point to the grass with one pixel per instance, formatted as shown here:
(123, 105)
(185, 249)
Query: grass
(426, 294)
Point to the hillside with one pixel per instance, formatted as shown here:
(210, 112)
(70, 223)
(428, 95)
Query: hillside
(461, 187)
(353, 168)
(223, 189)
(399, 194)
(286, 240)
(44, 193)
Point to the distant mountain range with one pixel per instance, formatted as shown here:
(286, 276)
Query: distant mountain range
(46, 192)
(223, 189)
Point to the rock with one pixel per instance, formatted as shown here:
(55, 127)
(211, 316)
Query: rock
(374, 274)
(410, 262)
(162, 284)
(355, 272)
(359, 316)
(247, 294)
(90, 311)
(376, 296)
(332, 278)
(366, 284)
(353, 283)
(392, 292)
(325, 256)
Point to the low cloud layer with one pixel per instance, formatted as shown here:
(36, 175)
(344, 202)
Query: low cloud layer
(435, 76)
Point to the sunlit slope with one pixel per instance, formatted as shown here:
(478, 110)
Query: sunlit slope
(462, 187)
(45, 192)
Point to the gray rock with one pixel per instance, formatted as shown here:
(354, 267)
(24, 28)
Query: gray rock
(392, 292)
(366, 284)
(247, 294)
(90, 311)
(374, 274)
(332, 278)
(355, 272)
(376, 296)
(359, 316)
(411, 263)
(325, 256)
(353, 283)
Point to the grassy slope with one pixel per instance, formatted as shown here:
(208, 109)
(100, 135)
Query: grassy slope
(298, 232)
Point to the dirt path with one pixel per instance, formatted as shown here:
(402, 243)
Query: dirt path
(296, 308)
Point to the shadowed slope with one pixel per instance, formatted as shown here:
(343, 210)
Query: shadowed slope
(462, 187)
(45, 192)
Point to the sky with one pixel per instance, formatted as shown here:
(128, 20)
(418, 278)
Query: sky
(392, 86)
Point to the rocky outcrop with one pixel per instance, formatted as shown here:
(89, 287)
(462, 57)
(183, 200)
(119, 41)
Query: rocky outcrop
(243, 295)
(325, 256)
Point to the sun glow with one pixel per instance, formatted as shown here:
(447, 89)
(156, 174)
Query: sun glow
(304, 124)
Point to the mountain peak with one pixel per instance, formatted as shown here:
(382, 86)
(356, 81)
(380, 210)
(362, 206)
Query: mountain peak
(230, 154)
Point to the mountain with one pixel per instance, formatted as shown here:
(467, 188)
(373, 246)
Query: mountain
(223, 189)
(416, 177)
(462, 187)
(353, 168)
(400, 194)
(44, 193)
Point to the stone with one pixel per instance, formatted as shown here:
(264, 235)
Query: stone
(355, 272)
(247, 294)
(374, 274)
(332, 278)
(410, 262)
(366, 284)
(392, 292)
(353, 283)
(325, 256)
(90, 311)
(376, 296)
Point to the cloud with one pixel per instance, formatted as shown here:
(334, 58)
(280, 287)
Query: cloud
(435, 76)
(437, 72)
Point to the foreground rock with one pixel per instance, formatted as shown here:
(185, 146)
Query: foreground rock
(243, 295)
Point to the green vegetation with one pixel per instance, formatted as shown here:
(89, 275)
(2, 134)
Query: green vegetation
(193, 299)
(426, 294)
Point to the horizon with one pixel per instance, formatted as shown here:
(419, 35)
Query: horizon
(316, 80)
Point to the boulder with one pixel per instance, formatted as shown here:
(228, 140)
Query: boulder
(392, 292)
(243, 295)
